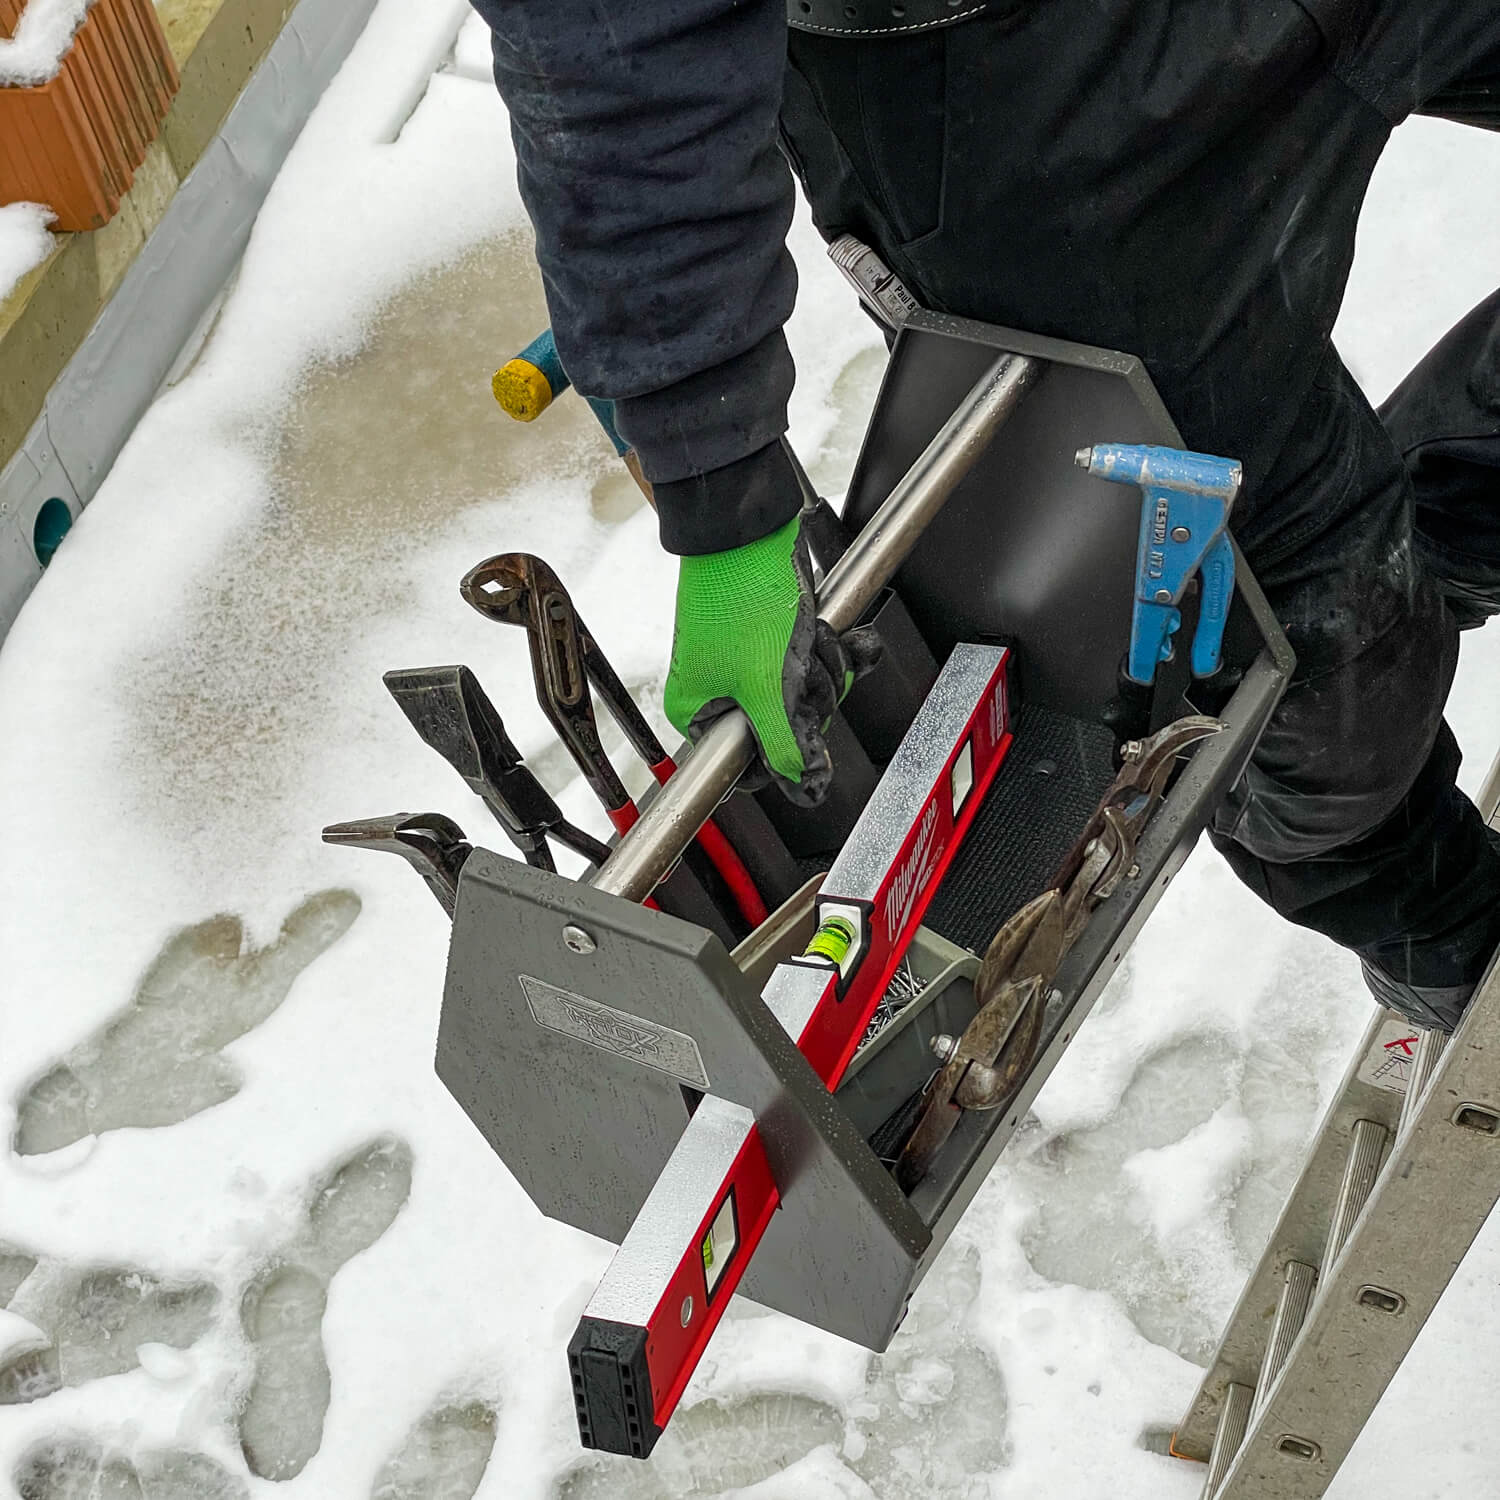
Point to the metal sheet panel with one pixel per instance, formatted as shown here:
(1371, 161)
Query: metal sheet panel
(586, 1117)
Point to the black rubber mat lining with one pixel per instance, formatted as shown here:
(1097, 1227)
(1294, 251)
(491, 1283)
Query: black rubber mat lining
(1053, 776)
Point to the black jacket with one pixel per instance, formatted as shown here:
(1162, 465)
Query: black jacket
(645, 133)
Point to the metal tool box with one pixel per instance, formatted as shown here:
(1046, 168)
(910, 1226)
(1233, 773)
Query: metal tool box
(582, 1032)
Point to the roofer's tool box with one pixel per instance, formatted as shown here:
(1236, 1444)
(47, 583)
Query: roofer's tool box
(801, 1110)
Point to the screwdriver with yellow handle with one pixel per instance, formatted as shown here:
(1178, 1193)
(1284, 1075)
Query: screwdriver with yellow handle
(528, 384)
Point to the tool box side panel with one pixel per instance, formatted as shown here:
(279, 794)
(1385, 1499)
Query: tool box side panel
(586, 1118)
(500, 1066)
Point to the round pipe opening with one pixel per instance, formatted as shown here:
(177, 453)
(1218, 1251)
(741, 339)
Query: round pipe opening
(53, 522)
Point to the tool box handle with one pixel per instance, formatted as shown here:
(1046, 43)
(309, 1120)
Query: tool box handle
(709, 773)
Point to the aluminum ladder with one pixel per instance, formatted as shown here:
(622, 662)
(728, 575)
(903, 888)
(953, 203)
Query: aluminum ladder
(1399, 1180)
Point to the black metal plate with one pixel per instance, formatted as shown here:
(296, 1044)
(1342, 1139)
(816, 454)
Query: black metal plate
(1052, 778)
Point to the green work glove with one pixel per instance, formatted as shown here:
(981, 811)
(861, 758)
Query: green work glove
(748, 633)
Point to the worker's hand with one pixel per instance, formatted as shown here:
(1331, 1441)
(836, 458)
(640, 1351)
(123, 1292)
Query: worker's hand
(748, 633)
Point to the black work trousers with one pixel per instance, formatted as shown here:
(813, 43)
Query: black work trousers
(1181, 179)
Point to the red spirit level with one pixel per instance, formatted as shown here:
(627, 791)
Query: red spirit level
(648, 1323)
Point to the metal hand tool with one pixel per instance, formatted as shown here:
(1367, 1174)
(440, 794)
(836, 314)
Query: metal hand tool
(827, 537)
(520, 589)
(453, 714)
(526, 385)
(1104, 851)
(433, 845)
(982, 1069)
(879, 288)
(1185, 504)
(510, 588)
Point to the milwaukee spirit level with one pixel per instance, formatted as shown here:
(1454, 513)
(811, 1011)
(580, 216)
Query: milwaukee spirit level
(648, 1323)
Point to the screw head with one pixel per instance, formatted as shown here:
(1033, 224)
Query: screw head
(576, 940)
(1164, 596)
(1181, 534)
(687, 1311)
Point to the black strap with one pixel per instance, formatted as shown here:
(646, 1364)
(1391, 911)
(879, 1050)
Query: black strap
(1339, 20)
(877, 17)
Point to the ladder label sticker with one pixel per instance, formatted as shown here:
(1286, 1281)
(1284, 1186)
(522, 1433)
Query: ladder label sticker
(1388, 1063)
(632, 1037)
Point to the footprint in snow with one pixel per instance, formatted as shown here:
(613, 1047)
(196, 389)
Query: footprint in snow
(91, 1321)
(1166, 1203)
(76, 1468)
(912, 1433)
(712, 1447)
(932, 1420)
(281, 1421)
(443, 1457)
(1165, 1273)
(160, 1060)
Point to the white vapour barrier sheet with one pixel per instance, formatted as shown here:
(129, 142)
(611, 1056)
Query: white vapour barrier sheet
(248, 1245)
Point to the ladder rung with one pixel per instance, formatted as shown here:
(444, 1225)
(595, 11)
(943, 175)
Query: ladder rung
(1366, 1146)
(1301, 1231)
(1234, 1417)
(1291, 1312)
(1394, 1238)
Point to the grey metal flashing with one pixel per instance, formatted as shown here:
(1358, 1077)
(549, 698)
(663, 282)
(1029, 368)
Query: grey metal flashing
(110, 381)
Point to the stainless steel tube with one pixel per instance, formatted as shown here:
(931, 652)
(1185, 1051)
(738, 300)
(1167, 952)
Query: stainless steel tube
(709, 773)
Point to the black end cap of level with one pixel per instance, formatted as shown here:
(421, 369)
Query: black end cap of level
(612, 1388)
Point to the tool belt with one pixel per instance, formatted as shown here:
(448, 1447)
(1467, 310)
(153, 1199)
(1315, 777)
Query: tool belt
(877, 17)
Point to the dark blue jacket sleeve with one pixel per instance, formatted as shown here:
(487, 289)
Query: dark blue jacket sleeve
(645, 134)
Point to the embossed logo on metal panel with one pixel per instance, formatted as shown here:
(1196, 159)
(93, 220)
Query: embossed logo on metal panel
(647, 1042)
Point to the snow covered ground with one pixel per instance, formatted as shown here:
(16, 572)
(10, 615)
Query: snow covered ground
(248, 1245)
